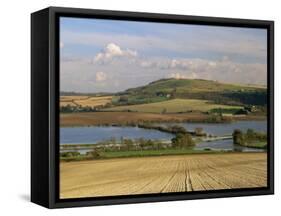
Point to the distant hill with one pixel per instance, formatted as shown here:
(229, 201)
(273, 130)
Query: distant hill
(222, 93)
(165, 89)
(191, 85)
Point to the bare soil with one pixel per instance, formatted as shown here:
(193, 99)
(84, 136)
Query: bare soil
(162, 174)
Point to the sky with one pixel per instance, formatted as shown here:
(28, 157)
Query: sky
(98, 55)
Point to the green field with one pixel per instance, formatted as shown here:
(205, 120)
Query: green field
(256, 144)
(173, 106)
(143, 153)
(117, 154)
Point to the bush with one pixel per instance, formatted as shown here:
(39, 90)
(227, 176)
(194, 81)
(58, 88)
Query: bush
(123, 99)
(182, 141)
(248, 138)
(199, 132)
(177, 129)
(128, 143)
(93, 154)
(238, 137)
(69, 154)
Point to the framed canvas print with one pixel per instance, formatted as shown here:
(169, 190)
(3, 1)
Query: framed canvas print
(138, 107)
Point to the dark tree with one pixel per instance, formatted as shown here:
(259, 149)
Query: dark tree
(238, 137)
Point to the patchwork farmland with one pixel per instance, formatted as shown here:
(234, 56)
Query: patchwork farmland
(174, 106)
(84, 101)
(162, 174)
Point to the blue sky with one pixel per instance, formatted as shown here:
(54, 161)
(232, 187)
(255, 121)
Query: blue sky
(98, 55)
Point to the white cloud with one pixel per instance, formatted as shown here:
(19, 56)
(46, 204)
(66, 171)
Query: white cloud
(220, 41)
(178, 64)
(101, 76)
(178, 75)
(127, 69)
(112, 50)
(122, 73)
(223, 70)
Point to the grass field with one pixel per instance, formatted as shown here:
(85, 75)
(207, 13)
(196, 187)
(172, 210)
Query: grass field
(85, 101)
(257, 144)
(145, 153)
(140, 153)
(162, 174)
(173, 106)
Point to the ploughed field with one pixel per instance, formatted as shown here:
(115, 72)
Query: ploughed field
(162, 174)
(103, 118)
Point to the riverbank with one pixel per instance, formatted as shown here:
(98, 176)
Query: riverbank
(181, 173)
(127, 118)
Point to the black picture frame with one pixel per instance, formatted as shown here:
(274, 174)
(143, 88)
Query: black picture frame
(45, 106)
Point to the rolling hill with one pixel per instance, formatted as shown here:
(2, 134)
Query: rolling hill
(191, 85)
(221, 93)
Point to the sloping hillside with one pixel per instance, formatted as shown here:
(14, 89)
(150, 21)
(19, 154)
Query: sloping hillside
(191, 85)
(217, 92)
